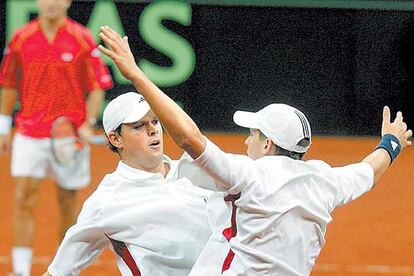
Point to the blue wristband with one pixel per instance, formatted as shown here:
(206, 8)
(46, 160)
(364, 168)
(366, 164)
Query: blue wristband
(391, 144)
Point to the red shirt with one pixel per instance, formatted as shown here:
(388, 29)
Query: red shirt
(52, 77)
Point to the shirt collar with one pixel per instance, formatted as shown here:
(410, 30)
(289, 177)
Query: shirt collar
(131, 173)
(62, 27)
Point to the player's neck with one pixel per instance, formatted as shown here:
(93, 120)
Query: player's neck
(50, 27)
(162, 168)
(165, 168)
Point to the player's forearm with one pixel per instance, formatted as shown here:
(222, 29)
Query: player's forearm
(8, 98)
(379, 160)
(179, 125)
(93, 104)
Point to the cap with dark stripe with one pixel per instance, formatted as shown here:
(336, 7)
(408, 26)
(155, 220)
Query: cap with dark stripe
(285, 125)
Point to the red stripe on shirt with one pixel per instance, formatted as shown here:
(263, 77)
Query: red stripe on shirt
(85, 46)
(122, 250)
(11, 64)
(230, 232)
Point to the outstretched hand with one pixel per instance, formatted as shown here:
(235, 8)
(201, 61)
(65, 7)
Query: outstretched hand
(398, 127)
(119, 52)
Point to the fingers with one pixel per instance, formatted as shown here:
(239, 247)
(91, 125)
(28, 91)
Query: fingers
(386, 116)
(409, 134)
(113, 36)
(110, 42)
(126, 42)
(107, 52)
(399, 117)
(405, 138)
(111, 33)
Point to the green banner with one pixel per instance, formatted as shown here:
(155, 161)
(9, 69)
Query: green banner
(396, 5)
(329, 4)
(154, 33)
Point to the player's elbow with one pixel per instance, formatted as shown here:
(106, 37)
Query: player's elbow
(192, 142)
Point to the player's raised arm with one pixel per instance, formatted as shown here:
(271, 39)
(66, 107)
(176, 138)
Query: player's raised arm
(179, 125)
(395, 137)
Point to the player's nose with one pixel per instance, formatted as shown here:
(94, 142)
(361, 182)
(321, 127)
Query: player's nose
(152, 129)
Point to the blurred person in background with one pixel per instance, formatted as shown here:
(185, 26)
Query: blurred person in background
(52, 66)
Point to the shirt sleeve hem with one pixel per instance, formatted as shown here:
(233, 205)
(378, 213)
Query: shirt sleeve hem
(205, 155)
(371, 175)
(6, 84)
(54, 272)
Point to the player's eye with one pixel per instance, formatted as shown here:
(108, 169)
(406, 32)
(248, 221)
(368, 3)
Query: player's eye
(155, 122)
(137, 126)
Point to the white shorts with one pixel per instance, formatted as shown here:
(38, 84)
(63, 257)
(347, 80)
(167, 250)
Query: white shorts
(32, 157)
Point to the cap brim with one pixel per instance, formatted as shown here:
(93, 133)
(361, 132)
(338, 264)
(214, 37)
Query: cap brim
(246, 119)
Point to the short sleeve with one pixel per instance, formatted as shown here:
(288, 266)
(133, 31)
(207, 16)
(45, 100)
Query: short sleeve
(231, 171)
(95, 73)
(187, 168)
(10, 65)
(352, 181)
(82, 243)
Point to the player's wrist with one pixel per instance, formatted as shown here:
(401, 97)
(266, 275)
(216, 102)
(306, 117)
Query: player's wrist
(136, 75)
(391, 145)
(5, 124)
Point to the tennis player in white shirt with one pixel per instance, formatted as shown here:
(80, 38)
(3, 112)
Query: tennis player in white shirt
(284, 203)
(153, 218)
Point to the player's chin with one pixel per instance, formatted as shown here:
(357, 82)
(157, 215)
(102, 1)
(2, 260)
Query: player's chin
(157, 150)
(51, 15)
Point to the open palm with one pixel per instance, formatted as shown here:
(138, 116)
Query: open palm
(119, 52)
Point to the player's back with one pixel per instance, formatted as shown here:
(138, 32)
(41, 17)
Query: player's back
(283, 212)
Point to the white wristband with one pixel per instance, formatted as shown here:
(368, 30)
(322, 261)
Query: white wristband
(5, 124)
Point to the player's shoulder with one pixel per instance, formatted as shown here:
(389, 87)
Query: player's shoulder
(79, 29)
(25, 31)
(318, 164)
(98, 198)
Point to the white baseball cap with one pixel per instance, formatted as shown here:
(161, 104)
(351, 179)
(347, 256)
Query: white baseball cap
(126, 108)
(281, 123)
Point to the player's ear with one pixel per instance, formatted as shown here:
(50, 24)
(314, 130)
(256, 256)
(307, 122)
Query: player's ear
(268, 146)
(115, 140)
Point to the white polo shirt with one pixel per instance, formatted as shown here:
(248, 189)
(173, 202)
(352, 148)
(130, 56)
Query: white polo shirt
(218, 212)
(156, 225)
(284, 208)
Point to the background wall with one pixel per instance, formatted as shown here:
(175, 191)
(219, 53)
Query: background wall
(339, 66)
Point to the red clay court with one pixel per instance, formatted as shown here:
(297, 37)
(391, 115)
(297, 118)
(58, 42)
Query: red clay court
(372, 236)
